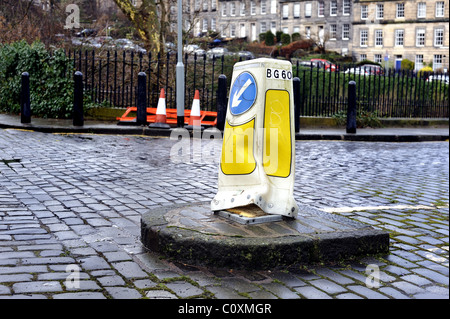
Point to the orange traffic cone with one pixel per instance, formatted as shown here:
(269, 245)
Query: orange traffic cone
(195, 117)
(161, 116)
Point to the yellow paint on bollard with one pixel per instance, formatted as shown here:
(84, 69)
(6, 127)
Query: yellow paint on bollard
(237, 150)
(277, 153)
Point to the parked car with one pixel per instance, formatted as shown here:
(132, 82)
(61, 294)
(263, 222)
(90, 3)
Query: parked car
(86, 33)
(194, 49)
(439, 77)
(199, 52)
(373, 69)
(190, 48)
(308, 64)
(217, 52)
(327, 65)
(367, 69)
(246, 55)
(357, 71)
(86, 42)
(126, 44)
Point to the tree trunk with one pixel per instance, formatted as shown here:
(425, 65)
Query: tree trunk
(146, 21)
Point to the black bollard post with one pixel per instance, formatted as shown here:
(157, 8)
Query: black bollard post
(78, 116)
(296, 85)
(141, 117)
(351, 108)
(221, 102)
(25, 105)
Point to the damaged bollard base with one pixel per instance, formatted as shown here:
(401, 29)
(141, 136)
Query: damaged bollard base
(248, 215)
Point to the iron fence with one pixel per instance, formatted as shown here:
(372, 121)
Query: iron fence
(110, 78)
(383, 92)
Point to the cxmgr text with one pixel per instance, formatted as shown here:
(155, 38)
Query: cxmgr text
(246, 308)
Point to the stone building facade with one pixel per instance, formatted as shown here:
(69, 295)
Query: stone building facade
(329, 23)
(245, 18)
(385, 31)
(389, 31)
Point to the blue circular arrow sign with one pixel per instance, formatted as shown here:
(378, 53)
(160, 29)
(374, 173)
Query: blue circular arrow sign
(243, 93)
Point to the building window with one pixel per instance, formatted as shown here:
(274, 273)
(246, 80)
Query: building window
(346, 7)
(437, 62)
(273, 27)
(364, 12)
(285, 30)
(440, 6)
(400, 10)
(321, 9)
(378, 58)
(263, 27)
(285, 11)
(213, 5)
(232, 30)
(205, 5)
(252, 8)
(418, 62)
(308, 10)
(223, 29)
(420, 37)
(438, 37)
(399, 37)
(263, 7)
(242, 11)
(333, 31)
(196, 5)
(233, 9)
(296, 29)
(362, 57)
(224, 10)
(213, 24)
(205, 25)
(363, 37)
(345, 31)
(380, 11)
(308, 32)
(379, 38)
(421, 10)
(333, 8)
(273, 6)
(296, 10)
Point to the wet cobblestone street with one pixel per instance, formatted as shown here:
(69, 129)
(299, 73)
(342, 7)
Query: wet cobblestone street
(71, 205)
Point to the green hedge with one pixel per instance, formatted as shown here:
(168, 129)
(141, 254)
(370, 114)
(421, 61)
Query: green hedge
(51, 83)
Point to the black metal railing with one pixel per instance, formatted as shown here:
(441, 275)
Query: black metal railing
(110, 78)
(383, 92)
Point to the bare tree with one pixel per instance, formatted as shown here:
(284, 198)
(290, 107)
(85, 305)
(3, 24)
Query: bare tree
(146, 21)
(22, 20)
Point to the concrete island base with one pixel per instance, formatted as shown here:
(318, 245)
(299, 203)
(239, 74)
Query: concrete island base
(193, 234)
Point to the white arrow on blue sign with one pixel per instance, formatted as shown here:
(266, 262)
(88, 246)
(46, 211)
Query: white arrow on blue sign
(243, 93)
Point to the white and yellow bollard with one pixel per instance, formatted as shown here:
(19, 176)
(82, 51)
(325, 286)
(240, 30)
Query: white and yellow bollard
(257, 165)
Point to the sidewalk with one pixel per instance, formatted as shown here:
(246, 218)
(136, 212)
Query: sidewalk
(390, 134)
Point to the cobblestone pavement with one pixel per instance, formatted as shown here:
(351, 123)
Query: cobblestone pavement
(70, 207)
